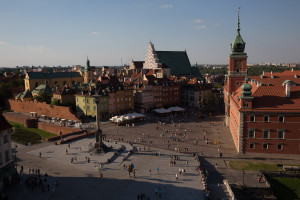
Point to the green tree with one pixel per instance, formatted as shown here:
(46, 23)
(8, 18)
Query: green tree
(217, 85)
(55, 102)
(209, 100)
(4, 93)
(43, 97)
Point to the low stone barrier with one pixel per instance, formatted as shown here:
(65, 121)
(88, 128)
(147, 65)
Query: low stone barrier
(229, 189)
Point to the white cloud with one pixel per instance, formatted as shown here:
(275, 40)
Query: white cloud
(198, 21)
(166, 6)
(200, 27)
(216, 25)
(95, 33)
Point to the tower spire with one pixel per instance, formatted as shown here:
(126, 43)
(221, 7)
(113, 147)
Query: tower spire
(238, 28)
(238, 45)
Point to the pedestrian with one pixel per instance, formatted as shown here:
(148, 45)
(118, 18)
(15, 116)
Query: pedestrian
(157, 169)
(40, 154)
(66, 151)
(259, 179)
(176, 176)
(133, 173)
(221, 155)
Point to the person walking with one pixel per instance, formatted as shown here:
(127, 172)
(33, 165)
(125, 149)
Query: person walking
(176, 176)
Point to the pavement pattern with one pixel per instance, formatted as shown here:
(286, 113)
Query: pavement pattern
(81, 179)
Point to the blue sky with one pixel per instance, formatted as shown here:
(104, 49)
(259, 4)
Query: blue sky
(64, 32)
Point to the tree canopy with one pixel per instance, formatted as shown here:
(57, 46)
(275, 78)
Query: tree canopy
(43, 97)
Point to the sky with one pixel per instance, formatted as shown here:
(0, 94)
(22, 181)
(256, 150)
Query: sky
(114, 32)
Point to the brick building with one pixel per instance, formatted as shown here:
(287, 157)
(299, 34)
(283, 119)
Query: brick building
(263, 113)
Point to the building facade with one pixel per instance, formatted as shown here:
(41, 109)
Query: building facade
(34, 79)
(86, 106)
(7, 169)
(262, 112)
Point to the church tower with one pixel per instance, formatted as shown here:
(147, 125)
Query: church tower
(88, 74)
(236, 71)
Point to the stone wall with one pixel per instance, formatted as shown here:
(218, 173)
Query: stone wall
(42, 109)
(52, 128)
(15, 118)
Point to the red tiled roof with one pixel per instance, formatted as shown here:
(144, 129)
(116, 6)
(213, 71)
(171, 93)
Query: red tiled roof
(278, 77)
(272, 99)
(193, 81)
(139, 75)
(150, 72)
(3, 123)
(133, 75)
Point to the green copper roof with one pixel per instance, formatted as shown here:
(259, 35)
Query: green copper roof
(246, 89)
(42, 87)
(25, 94)
(87, 67)
(41, 75)
(238, 45)
(178, 61)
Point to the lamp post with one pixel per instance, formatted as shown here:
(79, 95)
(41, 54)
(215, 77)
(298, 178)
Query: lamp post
(98, 132)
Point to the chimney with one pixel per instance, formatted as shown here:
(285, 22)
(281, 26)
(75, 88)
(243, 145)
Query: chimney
(287, 89)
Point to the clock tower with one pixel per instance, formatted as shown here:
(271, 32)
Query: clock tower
(236, 71)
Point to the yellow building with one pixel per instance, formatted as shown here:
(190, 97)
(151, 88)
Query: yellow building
(34, 79)
(86, 106)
